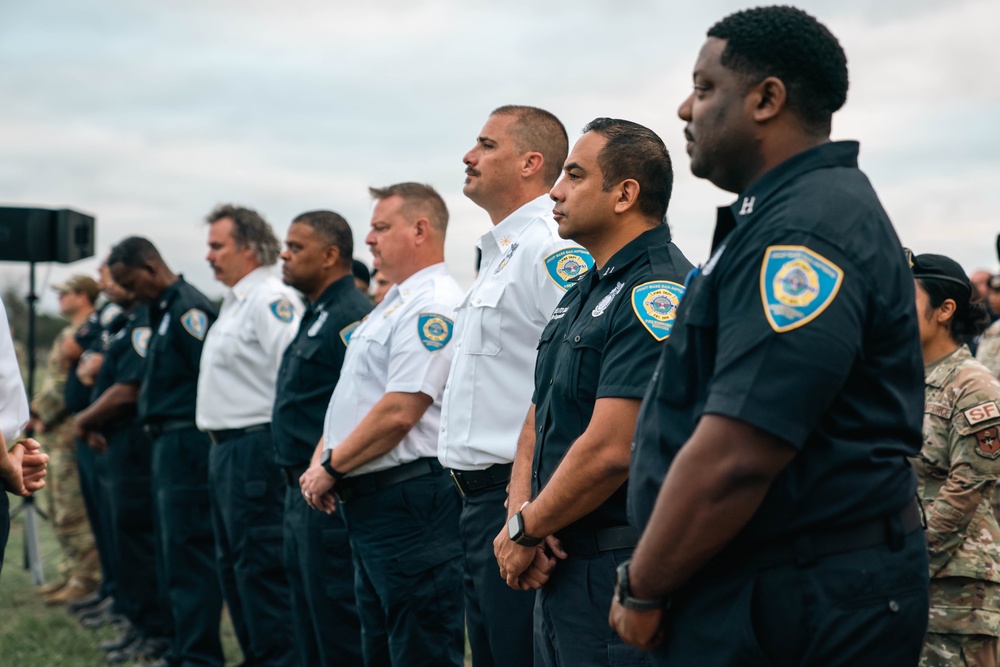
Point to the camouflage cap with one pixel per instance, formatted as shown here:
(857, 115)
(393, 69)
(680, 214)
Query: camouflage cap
(939, 267)
(79, 283)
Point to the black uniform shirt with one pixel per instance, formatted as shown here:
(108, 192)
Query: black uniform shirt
(124, 353)
(310, 369)
(88, 337)
(802, 324)
(602, 342)
(179, 320)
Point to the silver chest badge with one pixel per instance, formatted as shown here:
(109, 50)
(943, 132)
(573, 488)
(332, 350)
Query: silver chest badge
(606, 301)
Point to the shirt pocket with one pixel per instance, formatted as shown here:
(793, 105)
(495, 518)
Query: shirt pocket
(485, 321)
(688, 359)
(373, 351)
(587, 346)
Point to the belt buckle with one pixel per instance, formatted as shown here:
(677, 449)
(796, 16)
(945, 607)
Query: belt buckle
(458, 484)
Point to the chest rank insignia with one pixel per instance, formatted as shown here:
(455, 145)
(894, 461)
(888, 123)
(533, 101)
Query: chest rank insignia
(195, 322)
(568, 264)
(796, 285)
(655, 304)
(347, 332)
(988, 443)
(434, 330)
(606, 301)
(282, 309)
(506, 258)
(140, 340)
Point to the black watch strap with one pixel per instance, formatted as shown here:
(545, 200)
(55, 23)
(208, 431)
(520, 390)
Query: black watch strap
(330, 470)
(623, 593)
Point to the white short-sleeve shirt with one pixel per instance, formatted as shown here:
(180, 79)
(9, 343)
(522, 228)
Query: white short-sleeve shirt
(13, 401)
(242, 352)
(524, 273)
(404, 345)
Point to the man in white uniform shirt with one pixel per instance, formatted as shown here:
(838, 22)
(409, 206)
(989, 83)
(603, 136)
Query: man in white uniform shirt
(236, 386)
(526, 268)
(379, 446)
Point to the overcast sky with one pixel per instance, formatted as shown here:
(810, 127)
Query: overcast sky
(147, 115)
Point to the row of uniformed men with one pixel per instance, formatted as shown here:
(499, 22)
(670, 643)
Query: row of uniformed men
(769, 483)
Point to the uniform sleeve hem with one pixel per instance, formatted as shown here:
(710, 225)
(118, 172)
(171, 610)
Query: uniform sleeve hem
(621, 391)
(736, 407)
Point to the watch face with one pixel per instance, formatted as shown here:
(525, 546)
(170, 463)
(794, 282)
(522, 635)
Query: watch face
(513, 527)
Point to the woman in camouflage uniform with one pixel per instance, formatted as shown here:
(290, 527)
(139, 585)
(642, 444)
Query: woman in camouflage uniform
(957, 470)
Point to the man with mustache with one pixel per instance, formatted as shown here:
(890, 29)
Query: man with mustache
(769, 473)
(523, 274)
(236, 389)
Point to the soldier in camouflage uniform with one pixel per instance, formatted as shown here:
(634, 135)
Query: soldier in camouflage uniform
(957, 471)
(80, 569)
(989, 346)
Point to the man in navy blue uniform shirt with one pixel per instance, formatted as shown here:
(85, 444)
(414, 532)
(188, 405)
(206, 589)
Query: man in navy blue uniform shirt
(317, 262)
(789, 394)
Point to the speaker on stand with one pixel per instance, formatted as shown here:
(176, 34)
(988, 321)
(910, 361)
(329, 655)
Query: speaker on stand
(40, 235)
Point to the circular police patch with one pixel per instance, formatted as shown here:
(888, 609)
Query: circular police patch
(796, 286)
(434, 330)
(568, 264)
(655, 304)
(282, 310)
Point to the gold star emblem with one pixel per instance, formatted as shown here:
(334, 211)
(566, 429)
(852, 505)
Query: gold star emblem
(504, 242)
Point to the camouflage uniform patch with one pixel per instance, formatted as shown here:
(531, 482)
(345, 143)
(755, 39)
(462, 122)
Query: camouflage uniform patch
(955, 483)
(942, 650)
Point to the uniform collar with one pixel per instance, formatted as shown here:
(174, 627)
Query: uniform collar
(414, 283)
(633, 250)
(243, 286)
(332, 291)
(938, 371)
(508, 229)
(754, 199)
(166, 296)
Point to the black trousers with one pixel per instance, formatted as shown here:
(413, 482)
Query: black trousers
(498, 618)
(95, 486)
(571, 615)
(321, 581)
(184, 531)
(860, 608)
(129, 462)
(247, 507)
(408, 564)
(4, 522)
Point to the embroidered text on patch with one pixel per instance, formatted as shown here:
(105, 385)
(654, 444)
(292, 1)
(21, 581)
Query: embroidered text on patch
(796, 286)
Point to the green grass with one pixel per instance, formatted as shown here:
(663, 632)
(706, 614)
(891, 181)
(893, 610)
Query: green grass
(33, 635)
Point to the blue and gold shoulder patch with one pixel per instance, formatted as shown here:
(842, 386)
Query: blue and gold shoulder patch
(796, 285)
(140, 340)
(346, 332)
(434, 330)
(566, 265)
(655, 304)
(282, 309)
(195, 322)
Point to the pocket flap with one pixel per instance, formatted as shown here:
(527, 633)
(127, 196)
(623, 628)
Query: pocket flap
(488, 296)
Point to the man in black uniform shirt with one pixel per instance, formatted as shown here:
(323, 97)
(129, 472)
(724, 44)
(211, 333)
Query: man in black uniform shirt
(787, 398)
(179, 317)
(110, 423)
(317, 262)
(595, 358)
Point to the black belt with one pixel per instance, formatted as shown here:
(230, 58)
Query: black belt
(808, 546)
(589, 543)
(350, 488)
(472, 481)
(291, 474)
(219, 437)
(154, 430)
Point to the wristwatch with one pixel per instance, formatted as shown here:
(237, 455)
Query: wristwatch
(623, 594)
(330, 470)
(515, 531)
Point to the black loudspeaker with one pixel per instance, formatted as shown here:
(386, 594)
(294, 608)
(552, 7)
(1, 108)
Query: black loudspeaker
(45, 235)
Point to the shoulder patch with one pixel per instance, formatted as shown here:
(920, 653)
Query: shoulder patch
(982, 412)
(109, 313)
(434, 330)
(655, 304)
(195, 322)
(282, 309)
(345, 333)
(796, 285)
(568, 264)
(988, 443)
(140, 340)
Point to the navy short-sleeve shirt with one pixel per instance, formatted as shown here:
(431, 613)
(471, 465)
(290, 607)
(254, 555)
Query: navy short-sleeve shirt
(88, 337)
(802, 323)
(124, 352)
(603, 341)
(310, 370)
(179, 319)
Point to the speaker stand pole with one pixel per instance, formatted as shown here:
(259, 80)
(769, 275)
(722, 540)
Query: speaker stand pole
(32, 555)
